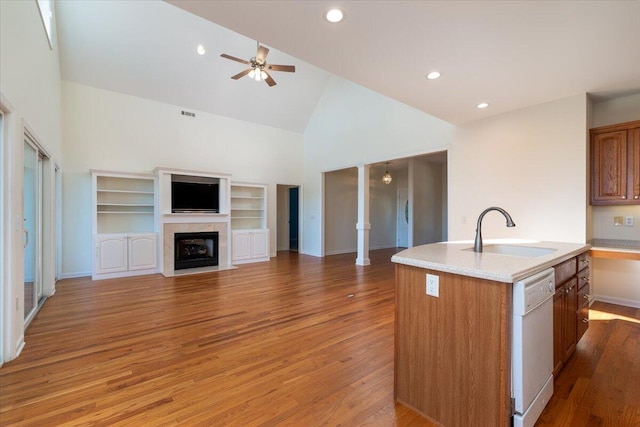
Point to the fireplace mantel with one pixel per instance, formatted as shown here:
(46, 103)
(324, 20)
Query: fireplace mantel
(193, 222)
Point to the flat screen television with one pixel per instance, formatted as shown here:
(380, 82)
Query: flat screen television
(195, 194)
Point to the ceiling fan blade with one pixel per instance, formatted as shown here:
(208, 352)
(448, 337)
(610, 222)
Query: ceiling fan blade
(242, 74)
(261, 56)
(233, 58)
(287, 68)
(269, 80)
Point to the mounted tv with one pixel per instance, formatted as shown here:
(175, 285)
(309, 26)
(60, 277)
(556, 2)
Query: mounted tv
(195, 194)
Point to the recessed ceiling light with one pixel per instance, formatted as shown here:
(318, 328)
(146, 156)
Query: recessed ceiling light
(483, 105)
(433, 75)
(201, 50)
(334, 15)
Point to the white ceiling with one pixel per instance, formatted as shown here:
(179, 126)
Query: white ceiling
(148, 49)
(509, 54)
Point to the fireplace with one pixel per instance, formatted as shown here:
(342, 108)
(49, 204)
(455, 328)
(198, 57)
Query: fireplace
(194, 250)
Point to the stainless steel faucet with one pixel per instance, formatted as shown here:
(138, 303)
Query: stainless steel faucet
(477, 247)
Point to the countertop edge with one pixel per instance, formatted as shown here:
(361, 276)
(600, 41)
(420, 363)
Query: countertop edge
(490, 275)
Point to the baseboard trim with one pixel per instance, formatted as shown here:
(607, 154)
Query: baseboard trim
(617, 301)
(340, 252)
(74, 275)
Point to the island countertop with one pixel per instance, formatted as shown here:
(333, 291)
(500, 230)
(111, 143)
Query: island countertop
(456, 258)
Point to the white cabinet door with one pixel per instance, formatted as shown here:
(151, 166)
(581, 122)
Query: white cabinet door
(259, 244)
(142, 252)
(241, 248)
(111, 254)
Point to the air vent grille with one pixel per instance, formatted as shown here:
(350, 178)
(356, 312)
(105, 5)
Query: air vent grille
(188, 113)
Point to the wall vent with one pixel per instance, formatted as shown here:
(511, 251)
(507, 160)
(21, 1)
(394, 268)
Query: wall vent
(188, 113)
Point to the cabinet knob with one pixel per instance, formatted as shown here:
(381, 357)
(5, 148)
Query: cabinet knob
(586, 296)
(584, 261)
(624, 197)
(635, 197)
(586, 279)
(585, 320)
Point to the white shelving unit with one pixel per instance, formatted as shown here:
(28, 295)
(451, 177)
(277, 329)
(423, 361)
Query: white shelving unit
(248, 206)
(249, 232)
(124, 218)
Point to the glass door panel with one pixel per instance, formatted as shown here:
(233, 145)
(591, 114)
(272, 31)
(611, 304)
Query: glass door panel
(30, 225)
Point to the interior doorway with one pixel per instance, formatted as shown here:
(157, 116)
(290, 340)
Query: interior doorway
(288, 218)
(293, 218)
(402, 219)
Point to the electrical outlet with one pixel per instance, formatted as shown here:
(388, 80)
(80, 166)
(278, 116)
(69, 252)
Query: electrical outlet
(617, 221)
(433, 285)
(628, 221)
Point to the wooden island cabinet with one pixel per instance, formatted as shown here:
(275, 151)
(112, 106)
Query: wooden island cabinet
(453, 352)
(453, 348)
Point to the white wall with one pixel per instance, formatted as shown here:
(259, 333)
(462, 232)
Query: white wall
(618, 110)
(616, 281)
(353, 125)
(531, 162)
(30, 71)
(341, 214)
(282, 235)
(427, 201)
(30, 94)
(111, 131)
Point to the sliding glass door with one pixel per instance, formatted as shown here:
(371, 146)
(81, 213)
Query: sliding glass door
(31, 227)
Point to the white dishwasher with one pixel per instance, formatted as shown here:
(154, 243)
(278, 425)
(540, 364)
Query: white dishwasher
(532, 346)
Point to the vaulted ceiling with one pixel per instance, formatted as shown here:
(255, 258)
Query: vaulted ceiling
(508, 54)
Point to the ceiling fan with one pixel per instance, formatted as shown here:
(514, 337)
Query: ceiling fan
(258, 67)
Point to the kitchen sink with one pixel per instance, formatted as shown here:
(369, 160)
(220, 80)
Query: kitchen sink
(515, 250)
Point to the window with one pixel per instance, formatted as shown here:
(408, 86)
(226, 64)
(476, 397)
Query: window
(46, 13)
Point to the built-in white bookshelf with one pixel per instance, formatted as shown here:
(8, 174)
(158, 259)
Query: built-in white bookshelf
(124, 224)
(124, 203)
(248, 206)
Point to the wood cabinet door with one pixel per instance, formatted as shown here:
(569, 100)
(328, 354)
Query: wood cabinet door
(609, 167)
(570, 308)
(111, 256)
(142, 252)
(634, 164)
(583, 321)
(558, 324)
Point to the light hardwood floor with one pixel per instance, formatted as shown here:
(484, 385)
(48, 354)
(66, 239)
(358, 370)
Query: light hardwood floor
(297, 341)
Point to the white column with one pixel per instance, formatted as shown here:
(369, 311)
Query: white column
(363, 226)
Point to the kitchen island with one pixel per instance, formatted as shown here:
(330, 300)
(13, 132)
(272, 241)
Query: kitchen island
(453, 350)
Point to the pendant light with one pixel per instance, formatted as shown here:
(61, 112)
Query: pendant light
(386, 178)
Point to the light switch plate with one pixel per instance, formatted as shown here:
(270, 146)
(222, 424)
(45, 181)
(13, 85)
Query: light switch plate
(433, 285)
(617, 221)
(628, 221)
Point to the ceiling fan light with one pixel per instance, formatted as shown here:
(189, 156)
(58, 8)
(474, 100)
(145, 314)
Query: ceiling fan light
(263, 74)
(252, 73)
(257, 75)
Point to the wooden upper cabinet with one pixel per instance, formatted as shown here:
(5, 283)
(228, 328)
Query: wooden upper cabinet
(634, 163)
(615, 164)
